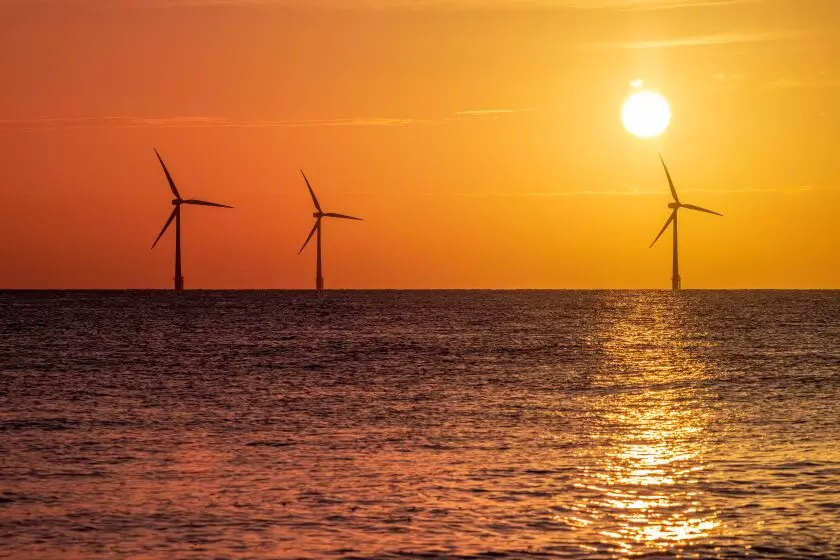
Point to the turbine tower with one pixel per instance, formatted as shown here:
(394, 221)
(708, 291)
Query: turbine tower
(177, 202)
(676, 281)
(319, 215)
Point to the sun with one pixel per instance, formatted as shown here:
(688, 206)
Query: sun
(646, 114)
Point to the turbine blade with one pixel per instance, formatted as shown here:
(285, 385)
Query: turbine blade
(168, 177)
(668, 223)
(315, 200)
(165, 226)
(311, 233)
(692, 207)
(204, 203)
(346, 217)
(670, 182)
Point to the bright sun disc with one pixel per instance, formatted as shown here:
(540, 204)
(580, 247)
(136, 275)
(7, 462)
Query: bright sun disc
(646, 114)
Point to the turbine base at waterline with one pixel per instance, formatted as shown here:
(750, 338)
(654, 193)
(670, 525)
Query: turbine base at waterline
(319, 216)
(675, 206)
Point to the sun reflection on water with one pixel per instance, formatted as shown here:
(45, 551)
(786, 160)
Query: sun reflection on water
(643, 485)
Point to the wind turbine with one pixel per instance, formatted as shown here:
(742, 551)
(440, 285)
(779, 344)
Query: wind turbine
(676, 282)
(319, 215)
(177, 202)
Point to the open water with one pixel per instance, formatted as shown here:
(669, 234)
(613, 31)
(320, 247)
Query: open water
(419, 425)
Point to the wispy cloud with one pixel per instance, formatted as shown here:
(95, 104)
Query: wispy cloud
(677, 4)
(648, 192)
(53, 123)
(402, 4)
(822, 81)
(729, 78)
(491, 113)
(785, 83)
(704, 40)
(798, 189)
(190, 122)
(482, 4)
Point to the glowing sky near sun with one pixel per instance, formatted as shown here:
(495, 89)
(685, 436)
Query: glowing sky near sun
(481, 142)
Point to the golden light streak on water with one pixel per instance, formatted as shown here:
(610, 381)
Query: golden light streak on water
(649, 477)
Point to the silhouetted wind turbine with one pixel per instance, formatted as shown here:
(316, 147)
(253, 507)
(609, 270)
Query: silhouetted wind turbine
(676, 282)
(176, 215)
(319, 215)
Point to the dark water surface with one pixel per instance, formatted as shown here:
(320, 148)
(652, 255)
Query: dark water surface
(419, 425)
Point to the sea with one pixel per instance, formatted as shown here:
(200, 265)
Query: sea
(419, 424)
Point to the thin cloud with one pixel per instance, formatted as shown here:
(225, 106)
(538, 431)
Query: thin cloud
(785, 83)
(704, 40)
(631, 193)
(412, 5)
(56, 123)
(792, 83)
(189, 122)
(483, 4)
(534, 194)
(729, 78)
(491, 113)
(672, 5)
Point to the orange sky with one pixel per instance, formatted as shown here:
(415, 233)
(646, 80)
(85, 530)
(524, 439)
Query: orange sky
(480, 140)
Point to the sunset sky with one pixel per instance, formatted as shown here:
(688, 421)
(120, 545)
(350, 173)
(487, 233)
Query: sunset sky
(480, 140)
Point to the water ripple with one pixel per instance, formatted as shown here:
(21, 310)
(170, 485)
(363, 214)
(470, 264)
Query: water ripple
(486, 425)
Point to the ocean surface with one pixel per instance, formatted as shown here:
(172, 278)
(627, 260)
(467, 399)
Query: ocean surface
(419, 425)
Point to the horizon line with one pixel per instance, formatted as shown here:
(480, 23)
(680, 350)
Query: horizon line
(669, 290)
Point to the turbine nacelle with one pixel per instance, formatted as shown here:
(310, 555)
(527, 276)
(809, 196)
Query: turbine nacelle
(318, 215)
(177, 202)
(673, 205)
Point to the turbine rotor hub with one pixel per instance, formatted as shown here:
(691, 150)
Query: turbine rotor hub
(674, 205)
(176, 202)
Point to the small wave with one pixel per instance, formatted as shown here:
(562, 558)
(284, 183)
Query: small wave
(271, 444)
